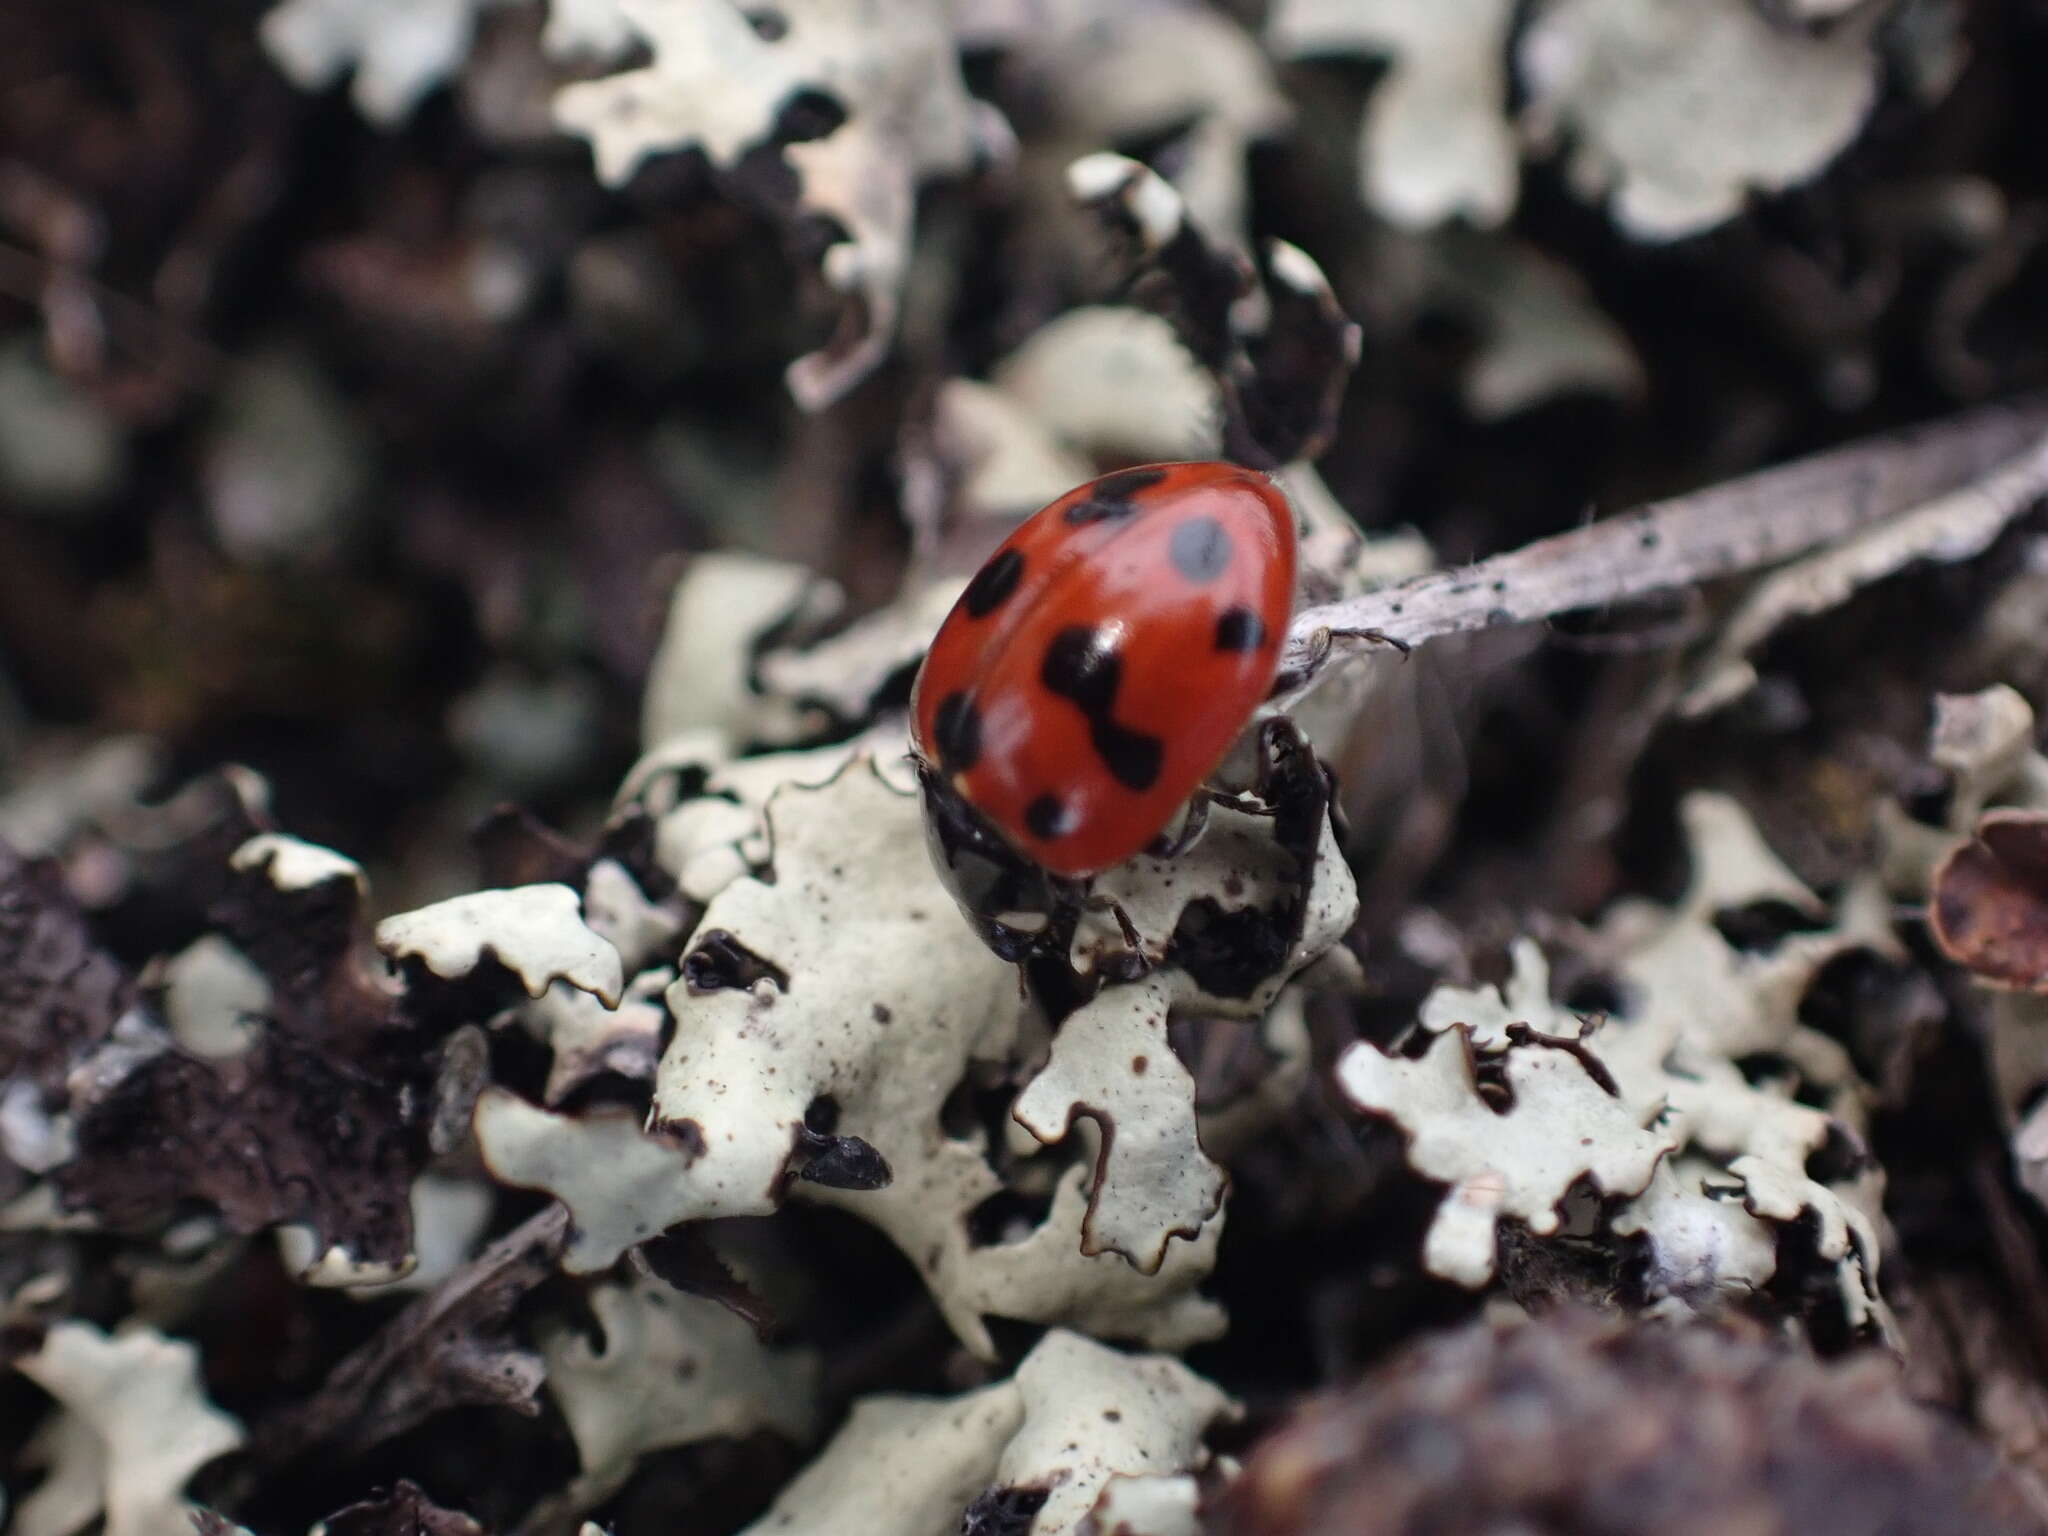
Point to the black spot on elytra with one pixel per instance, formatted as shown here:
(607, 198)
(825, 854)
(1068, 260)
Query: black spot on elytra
(1127, 483)
(1046, 817)
(993, 583)
(956, 732)
(1096, 510)
(1200, 549)
(1111, 499)
(1239, 629)
(1081, 664)
(1132, 757)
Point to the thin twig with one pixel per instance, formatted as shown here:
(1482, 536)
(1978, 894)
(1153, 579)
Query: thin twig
(1959, 525)
(1749, 524)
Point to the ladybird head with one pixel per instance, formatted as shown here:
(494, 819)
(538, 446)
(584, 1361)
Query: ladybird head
(1019, 910)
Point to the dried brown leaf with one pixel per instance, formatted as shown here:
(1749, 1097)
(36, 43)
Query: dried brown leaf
(1988, 905)
(447, 1349)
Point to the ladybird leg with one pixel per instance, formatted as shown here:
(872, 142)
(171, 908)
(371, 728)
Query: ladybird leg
(1244, 805)
(1290, 678)
(1198, 819)
(1136, 963)
(1283, 753)
(1163, 847)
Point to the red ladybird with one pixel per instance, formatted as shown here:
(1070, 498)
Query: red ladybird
(1091, 677)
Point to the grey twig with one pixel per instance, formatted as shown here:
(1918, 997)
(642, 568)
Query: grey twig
(1750, 524)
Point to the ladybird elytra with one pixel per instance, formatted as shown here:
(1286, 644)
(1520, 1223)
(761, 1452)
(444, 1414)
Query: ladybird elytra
(1105, 657)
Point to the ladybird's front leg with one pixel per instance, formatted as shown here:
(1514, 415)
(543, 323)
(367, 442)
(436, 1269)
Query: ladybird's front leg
(1297, 787)
(1320, 643)
(1135, 962)
(1197, 820)
(1284, 759)
(1191, 827)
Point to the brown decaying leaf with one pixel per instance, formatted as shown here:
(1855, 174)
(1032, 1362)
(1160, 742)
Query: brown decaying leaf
(281, 1134)
(1693, 1429)
(1988, 903)
(59, 992)
(404, 1510)
(447, 1349)
(321, 1122)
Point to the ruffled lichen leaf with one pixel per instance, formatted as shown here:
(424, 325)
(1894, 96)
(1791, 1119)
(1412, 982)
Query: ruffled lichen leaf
(900, 1466)
(1042, 1450)
(1675, 113)
(1111, 1063)
(399, 49)
(1436, 143)
(141, 1397)
(536, 932)
(673, 1369)
(1092, 1415)
(1563, 1125)
(717, 83)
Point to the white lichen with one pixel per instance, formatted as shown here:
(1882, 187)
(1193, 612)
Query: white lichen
(1110, 380)
(587, 1039)
(672, 1369)
(292, 864)
(1562, 1126)
(399, 50)
(1435, 144)
(449, 1218)
(700, 684)
(644, 932)
(52, 798)
(597, 30)
(536, 932)
(1732, 1153)
(901, 1466)
(1089, 1428)
(1679, 108)
(1114, 72)
(1538, 331)
(134, 1424)
(859, 984)
(719, 84)
(214, 999)
(1111, 1062)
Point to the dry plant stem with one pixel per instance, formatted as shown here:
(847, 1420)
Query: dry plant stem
(1958, 525)
(365, 1399)
(2017, 1260)
(1748, 524)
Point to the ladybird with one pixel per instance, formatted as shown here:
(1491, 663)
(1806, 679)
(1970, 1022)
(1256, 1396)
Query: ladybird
(1090, 679)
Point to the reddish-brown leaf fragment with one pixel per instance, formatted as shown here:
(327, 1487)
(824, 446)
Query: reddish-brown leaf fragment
(59, 993)
(401, 1511)
(1581, 1421)
(1988, 903)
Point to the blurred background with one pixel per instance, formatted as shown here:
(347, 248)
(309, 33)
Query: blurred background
(358, 432)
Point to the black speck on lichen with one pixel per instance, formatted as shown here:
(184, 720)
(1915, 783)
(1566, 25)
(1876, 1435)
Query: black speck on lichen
(1003, 1512)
